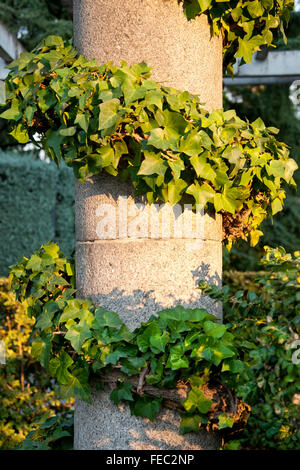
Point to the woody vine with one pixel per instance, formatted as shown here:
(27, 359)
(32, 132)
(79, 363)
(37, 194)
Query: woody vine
(117, 120)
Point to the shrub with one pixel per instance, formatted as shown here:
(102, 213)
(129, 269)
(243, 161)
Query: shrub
(37, 205)
(264, 311)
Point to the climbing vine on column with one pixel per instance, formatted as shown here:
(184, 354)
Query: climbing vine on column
(116, 119)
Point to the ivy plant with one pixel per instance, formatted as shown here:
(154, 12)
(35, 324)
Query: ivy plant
(116, 119)
(245, 26)
(264, 312)
(75, 341)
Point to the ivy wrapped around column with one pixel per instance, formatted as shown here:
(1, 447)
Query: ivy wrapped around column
(116, 119)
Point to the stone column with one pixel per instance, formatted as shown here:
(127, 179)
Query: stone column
(138, 274)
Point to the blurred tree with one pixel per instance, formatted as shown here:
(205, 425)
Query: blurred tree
(272, 103)
(30, 21)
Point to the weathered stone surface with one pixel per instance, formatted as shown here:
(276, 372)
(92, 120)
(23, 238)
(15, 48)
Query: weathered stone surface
(182, 53)
(138, 278)
(102, 425)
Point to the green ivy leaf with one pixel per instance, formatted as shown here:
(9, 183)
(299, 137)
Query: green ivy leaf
(77, 334)
(214, 329)
(20, 133)
(122, 392)
(176, 359)
(146, 407)
(225, 421)
(104, 317)
(132, 365)
(153, 164)
(190, 423)
(108, 116)
(58, 367)
(197, 401)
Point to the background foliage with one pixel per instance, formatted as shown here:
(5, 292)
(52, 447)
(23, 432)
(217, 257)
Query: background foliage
(264, 311)
(27, 393)
(273, 104)
(30, 21)
(244, 25)
(37, 205)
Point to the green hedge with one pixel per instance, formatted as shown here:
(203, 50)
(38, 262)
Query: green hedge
(64, 210)
(36, 204)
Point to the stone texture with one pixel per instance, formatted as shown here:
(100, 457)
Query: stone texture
(182, 53)
(104, 189)
(138, 278)
(102, 425)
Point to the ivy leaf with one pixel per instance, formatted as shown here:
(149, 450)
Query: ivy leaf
(106, 155)
(158, 342)
(247, 47)
(143, 340)
(54, 140)
(174, 191)
(154, 97)
(276, 168)
(77, 334)
(20, 133)
(177, 167)
(77, 386)
(132, 365)
(34, 263)
(108, 114)
(202, 168)
(197, 401)
(255, 8)
(83, 120)
(153, 164)
(276, 206)
(176, 359)
(204, 4)
(191, 423)
(225, 421)
(45, 319)
(159, 139)
(14, 112)
(228, 200)
(122, 392)
(213, 329)
(58, 367)
(202, 194)
(219, 353)
(191, 144)
(41, 349)
(104, 317)
(68, 131)
(198, 315)
(146, 407)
